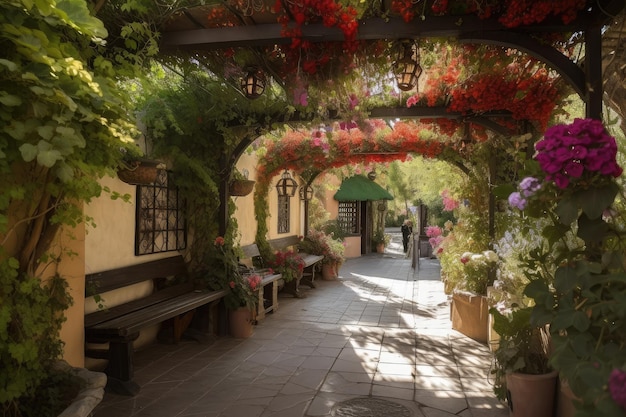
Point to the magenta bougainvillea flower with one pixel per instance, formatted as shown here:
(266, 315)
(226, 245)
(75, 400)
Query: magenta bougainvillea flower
(617, 387)
(570, 152)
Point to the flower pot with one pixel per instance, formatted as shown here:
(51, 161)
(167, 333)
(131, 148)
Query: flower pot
(240, 322)
(337, 267)
(329, 272)
(380, 247)
(469, 314)
(531, 395)
(141, 172)
(240, 188)
(566, 400)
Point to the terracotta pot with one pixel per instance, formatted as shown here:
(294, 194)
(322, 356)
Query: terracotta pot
(240, 322)
(380, 247)
(531, 395)
(329, 271)
(566, 400)
(337, 267)
(469, 314)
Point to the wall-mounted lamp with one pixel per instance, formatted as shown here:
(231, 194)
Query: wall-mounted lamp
(253, 84)
(407, 67)
(306, 192)
(286, 186)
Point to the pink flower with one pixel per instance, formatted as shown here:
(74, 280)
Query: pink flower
(617, 387)
(232, 284)
(219, 241)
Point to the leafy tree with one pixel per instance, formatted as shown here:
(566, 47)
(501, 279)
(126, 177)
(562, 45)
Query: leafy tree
(63, 120)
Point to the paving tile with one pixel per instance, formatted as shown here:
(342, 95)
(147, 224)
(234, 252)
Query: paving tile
(382, 330)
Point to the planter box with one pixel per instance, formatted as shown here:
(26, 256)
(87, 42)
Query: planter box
(469, 314)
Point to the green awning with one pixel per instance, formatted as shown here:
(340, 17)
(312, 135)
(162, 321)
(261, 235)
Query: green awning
(360, 188)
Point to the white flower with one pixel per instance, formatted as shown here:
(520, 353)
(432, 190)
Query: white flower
(491, 256)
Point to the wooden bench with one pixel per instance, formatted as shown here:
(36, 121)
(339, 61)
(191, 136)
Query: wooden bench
(174, 299)
(290, 242)
(310, 261)
(268, 302)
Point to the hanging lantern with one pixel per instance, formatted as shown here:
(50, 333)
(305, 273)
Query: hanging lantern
(286, 186)
(306, 192)
(253, 84)
(407, 67)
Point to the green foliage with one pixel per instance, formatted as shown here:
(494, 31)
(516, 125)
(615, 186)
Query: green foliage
(287, 263)
(53, 395)
(29, 332)
(316, 242)
(380, 237)
(522, 347)
(63, 120)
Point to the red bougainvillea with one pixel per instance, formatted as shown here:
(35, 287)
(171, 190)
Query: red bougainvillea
(511, 13)
(337, 147)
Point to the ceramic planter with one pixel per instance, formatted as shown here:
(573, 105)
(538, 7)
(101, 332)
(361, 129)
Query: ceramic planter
(240, 323)
(531, 395)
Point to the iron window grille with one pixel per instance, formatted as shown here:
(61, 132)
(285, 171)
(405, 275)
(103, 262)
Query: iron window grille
(160, 225)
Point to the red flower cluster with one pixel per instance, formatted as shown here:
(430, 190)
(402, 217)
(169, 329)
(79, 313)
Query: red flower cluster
(314, 56)
(532, 98)
(512, 13)
(527, 12)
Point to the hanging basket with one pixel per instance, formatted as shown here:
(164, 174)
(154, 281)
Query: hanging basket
(240, 188)
(141, 172)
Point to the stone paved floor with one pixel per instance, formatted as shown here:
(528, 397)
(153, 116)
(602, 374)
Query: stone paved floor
(379, 333)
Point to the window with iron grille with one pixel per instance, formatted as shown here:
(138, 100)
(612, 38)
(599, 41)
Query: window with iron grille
(348, 216)
(159, 225)
(284, 211)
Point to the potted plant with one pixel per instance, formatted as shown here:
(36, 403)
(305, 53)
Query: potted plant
(242, 287)
(523, 376)
(239, 184)
(135, 168)
(380, 240)
(577, 277)
(319, 243)
(469, 308)
(290, 266)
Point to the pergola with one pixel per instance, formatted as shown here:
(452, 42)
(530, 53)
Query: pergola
(198, 32)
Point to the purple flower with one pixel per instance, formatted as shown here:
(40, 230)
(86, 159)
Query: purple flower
(529, 186)
(574, 169)
(617, 387)
(516, 200)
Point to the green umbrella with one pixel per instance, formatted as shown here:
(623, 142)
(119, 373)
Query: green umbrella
(360, 188)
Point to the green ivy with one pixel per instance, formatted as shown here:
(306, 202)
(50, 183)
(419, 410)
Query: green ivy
(63, 120)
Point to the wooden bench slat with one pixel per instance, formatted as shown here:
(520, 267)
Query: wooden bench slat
(107, 314)
(120, 325)
(101, 282)
(154, 314)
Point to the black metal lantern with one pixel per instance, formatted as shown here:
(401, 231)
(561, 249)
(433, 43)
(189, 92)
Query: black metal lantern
(253, 84)
(286, 186)
(407, 67)
(306, 192)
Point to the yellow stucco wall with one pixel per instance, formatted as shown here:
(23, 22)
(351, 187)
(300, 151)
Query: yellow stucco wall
(244, 213)
(245, 207)
(110, 245)
(72, 269)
